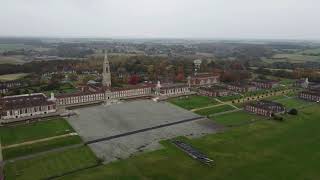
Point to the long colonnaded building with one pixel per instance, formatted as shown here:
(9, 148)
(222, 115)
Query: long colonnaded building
(171, 90)
(203, 79)
(310, 95)
(241, 87)
(25, 107)
(265, 84)
(214, 91)
(109, 96)
(265, 108)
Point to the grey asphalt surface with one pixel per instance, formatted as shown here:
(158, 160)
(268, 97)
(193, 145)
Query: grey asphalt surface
(103, 121)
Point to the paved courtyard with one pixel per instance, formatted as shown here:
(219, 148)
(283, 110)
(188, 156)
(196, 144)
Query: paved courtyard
(104, 121)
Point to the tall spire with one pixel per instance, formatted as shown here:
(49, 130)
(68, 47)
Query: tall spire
(106, 75)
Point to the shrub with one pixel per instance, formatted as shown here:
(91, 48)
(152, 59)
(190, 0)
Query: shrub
(293, 112)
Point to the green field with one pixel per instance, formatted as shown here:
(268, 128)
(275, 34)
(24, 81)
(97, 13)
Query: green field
(314, 52)
(10, 47)
(52, 164)
(12, 60)
(262, 150)
(193, 102)
(214, 110)
(236, 118)
(292, 102)
(230, 98)
(34, 131)
(294, 58)
(12, 77)
(24, 150)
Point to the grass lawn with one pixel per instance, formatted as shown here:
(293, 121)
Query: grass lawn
(296, 58)
(10, 47)
(292, 102)
(236, 118)
(193, 102)
(12, 77)
(15, 152)
(230, 98)
(214, 110)
(33, 131)
(275, 98)
(11, 60)
(260, 151)
(51, 164)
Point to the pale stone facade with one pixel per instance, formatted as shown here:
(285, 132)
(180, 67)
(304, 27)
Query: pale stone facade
(172, 90)
(213, 92)
(241, 87)
(267, 84)
(310, 95)
(203, 80)
(24, 106)
(79, 98)
(265, 108)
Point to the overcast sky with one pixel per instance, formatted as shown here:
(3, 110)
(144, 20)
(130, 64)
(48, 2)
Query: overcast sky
(215, 19)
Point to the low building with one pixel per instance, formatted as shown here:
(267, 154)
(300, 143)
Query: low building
(214, 91)
(172, 90)
(130, 92)
(265, 84)
(79, 98)
(95, 94)
(303, 83)
(3, 90)
(241, 87)
(203, 79)
(314, 86)
(6, 86)
(25, 106)
(265, 108)
(11, 84)
(310, 95)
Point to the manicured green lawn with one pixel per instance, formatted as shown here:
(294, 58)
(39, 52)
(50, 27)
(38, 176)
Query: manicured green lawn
(292, 102)
(15, 152)
(236, 118)
(33, 131)
(51, 164)
(274, 98)
(193, 102)
(230, 98)
(260, 151)
(214, 110)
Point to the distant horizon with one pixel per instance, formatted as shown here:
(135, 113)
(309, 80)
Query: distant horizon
(162, 19)
(163, 38)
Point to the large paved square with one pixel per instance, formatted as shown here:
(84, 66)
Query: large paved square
(108, 120)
